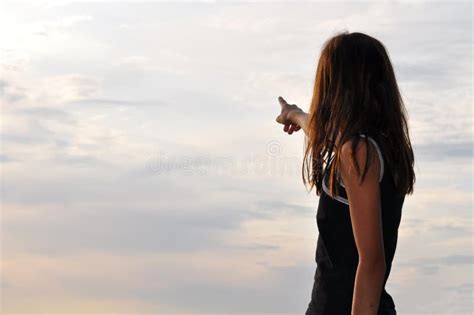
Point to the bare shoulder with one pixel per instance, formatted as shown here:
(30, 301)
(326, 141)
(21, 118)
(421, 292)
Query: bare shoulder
(347, 163)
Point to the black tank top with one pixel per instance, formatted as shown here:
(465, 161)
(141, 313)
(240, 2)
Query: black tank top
(336, 251)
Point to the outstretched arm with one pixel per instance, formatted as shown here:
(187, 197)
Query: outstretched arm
(293, 117)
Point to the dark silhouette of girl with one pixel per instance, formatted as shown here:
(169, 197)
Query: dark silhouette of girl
(357, 128)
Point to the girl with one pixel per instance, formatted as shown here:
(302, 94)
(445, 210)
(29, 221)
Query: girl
(358, 114)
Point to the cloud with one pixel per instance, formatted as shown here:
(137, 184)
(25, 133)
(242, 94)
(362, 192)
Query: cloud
(129, 231)
(184, 227)
(67, 88)
(443, 151)
(5, 158)
(49, 91)
(11, 94)
(58, 284)
(434, 265)
(271, 208)
(182, 282)
(159, 60)
(86, 222)
(464, 287)
(46, 113)
(33, 133)
(119, 102)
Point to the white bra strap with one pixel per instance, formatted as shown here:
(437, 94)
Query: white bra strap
(380, 155)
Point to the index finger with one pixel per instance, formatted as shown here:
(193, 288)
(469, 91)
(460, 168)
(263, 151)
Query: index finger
(282, 101)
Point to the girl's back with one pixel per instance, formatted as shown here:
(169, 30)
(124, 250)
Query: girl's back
(336, 251)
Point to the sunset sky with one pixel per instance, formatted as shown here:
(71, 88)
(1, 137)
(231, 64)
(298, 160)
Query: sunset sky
(142, 170)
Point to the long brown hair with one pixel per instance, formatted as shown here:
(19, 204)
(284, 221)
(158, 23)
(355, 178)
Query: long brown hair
(356, 92)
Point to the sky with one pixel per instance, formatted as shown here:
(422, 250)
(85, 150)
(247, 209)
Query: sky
(142, 170)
